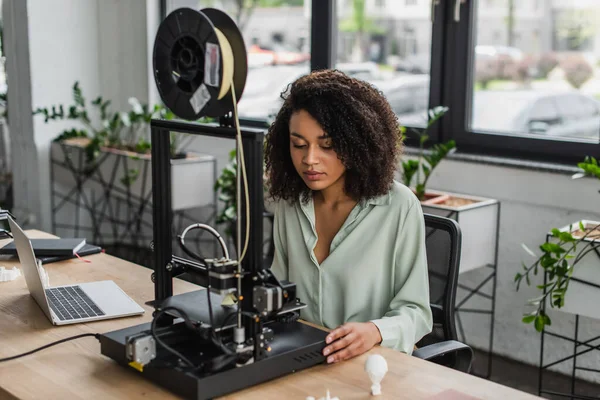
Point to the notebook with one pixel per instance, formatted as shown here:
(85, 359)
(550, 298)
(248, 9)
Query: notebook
(49, 247)
(86, 250)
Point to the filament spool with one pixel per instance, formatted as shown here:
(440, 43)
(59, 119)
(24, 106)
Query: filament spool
(197, 55)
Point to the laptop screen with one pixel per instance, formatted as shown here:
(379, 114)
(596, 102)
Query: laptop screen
(29, 265)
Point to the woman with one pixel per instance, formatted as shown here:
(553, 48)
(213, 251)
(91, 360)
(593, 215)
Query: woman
(349, 236)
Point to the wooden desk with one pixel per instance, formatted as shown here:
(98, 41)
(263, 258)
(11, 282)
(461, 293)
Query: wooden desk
(77, 370)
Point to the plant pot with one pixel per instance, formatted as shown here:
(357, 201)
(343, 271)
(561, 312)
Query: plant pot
(431, 198)
(129, 175)
(478, 220)
(583, 295)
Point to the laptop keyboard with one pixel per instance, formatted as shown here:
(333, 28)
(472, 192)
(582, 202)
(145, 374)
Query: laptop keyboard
(72, 303)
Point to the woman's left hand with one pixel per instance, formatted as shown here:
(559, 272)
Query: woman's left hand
(351, 340)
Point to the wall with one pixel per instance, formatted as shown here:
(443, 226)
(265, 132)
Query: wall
(532, 202)
(122, 51)
(100, 43)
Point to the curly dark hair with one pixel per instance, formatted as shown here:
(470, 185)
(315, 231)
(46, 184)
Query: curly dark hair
(364, 131)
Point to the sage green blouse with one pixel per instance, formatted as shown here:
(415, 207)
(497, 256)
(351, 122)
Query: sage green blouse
(376, 270)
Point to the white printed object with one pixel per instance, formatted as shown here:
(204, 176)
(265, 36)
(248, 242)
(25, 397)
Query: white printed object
(7, 275)
(328, 397)
(376, 367)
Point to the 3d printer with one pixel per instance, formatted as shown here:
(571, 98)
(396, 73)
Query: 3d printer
(198, 345)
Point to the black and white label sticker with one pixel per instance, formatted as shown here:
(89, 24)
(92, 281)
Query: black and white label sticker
(200, 98)
(212, 65)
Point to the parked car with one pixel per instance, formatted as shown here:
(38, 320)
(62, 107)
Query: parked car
(487, 52)
(570, 114)
(407, 93)
(419, 63)
(264, 85)
(367, 71)
(275, 54)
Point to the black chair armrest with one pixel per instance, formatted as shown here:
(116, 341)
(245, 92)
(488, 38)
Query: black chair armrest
(438, 313)
(463, 353)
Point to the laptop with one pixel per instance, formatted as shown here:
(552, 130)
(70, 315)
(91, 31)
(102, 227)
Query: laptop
(71, 304)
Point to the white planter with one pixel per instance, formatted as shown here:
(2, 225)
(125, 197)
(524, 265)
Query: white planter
(583, 295)
(192, 178)
(478, 223)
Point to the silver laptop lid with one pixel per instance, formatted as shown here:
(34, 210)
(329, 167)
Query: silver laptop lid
(29, 266)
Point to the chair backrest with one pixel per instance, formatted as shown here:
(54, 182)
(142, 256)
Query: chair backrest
(443, 243)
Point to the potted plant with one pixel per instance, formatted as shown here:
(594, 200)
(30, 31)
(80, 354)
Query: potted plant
(225, 187)
(477, 216)
(113, 155)
(569, 267)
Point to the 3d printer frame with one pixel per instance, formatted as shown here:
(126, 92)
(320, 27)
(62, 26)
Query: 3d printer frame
(279, 346)
(166, 266)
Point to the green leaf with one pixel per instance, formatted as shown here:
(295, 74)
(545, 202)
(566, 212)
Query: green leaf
(581, 227)
(566, 236)
(420, 189)
(539, 323)
(78, 95)
(555, 232)
(225, 197)
(518, 276)
(552, 248)
(529, 319)
(230, 212)
(542, 287)
(547, 320)
(559, 301)
(130, 177)
(547, 261)
(426, 170)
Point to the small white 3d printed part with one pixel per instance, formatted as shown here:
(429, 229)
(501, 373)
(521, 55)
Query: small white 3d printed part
(328, 397)
(7, 275)
(376, 367)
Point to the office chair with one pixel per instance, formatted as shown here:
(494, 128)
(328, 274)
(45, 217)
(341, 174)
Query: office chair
(443, 243)
(268, 244)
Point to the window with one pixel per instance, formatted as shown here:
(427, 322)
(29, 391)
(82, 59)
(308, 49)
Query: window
(533, 90)
(393, 53)
(277, 36)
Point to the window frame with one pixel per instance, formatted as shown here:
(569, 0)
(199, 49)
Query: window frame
(460, 41)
